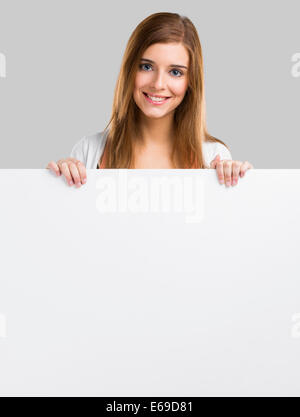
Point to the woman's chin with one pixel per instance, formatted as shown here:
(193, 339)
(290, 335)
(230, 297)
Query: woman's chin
(155, 116)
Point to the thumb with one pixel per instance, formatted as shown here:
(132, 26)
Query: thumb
(214, 161)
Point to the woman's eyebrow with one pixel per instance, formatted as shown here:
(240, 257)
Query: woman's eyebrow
(172, 65)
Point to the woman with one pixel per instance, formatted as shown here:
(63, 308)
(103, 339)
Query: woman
(158, 116)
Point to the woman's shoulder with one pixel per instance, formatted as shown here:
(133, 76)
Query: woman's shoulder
(212, 148)
(95, 140)
(89, 148)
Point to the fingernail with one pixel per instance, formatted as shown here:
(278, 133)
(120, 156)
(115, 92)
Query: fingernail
(222, 181)
(71, 182)
(228, 183)
(84, 180)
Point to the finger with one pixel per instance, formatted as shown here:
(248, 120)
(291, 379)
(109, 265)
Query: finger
(66, 172)
(53, 167)
(227, 172)
(244, 167)
(236, 165)
(220, 172)
(75, 174)
(215, 161)
(82, 171)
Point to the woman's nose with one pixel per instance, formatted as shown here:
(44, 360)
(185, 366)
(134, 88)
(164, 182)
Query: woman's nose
(158, 81)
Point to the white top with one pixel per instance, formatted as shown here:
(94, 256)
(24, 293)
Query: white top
(90, 148)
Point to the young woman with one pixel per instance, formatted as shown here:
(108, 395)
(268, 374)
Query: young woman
(158, 116)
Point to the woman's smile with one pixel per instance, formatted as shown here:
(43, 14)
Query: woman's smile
(155, 100)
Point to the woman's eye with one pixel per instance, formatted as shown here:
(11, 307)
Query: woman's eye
(180, 73)
(176, 70)
(142, 65)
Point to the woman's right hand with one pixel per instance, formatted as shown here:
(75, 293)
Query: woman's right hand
(73, 170)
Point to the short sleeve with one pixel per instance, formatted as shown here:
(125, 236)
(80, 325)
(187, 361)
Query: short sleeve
(79, 150)
(222, 150)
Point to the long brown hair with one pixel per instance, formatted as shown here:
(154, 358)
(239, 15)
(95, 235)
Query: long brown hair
(189, 117)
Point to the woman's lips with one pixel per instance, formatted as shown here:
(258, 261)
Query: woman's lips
(155, 102)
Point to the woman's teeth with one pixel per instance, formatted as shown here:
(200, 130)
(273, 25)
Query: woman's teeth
(156, 99)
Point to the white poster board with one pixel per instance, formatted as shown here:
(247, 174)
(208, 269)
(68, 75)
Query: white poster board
(116, 290)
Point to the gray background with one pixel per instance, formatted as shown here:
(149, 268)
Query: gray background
(63, 58)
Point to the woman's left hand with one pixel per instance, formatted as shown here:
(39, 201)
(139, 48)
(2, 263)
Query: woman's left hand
(228, 170)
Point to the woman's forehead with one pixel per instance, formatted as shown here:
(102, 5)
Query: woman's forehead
(166, 52)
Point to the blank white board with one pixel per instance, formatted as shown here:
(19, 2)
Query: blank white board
(149, 283)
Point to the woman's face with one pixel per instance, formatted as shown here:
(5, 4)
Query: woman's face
(163, 72)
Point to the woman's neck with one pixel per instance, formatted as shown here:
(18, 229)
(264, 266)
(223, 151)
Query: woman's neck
(156, 132)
